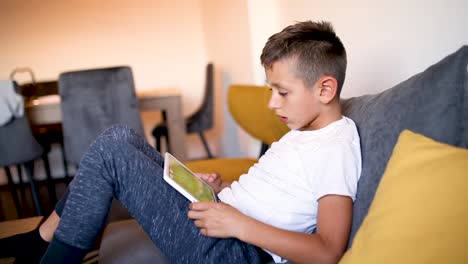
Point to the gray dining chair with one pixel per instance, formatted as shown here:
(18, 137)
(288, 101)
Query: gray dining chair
(19, 148)
(93, 100)
(45, 134)
(200, 121)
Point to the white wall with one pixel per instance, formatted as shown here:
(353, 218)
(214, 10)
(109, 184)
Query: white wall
(387, 41)
(264, 22)
(227, 37)
(162, 42)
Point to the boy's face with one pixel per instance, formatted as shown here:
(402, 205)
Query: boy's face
(295, 104)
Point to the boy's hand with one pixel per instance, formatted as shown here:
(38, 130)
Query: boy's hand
(213, 179)
(216, 219)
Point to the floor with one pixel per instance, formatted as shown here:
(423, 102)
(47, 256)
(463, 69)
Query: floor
(13, 221)
(8, 211)
(11, 227)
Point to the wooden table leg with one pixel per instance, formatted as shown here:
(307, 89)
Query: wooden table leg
(172, 105)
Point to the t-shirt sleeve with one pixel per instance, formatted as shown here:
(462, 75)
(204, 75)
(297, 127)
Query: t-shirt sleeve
(335, 169)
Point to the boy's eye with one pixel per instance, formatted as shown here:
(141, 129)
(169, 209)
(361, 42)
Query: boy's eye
(283, 93)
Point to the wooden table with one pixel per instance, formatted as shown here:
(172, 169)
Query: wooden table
(47, 111)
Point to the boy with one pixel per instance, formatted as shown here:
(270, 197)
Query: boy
(295, 203)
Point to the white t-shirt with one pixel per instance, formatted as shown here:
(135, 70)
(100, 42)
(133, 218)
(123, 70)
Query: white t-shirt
(284, 187)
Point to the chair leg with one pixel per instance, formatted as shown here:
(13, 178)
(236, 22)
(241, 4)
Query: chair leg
(2, 216)
(205, 144)
(159, 141)
(14, 194)
(69, 179)
(21, 183)
(158, 144)
(50, 181)
(30, 172)
(20, 175)
(158, 138)
(64, 159)
(168, 145)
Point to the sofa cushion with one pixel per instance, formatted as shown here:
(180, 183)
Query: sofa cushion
(417, 215)
(433, 103)
(126, 242)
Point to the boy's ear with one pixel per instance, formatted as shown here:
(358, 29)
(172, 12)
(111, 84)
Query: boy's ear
(327, 88)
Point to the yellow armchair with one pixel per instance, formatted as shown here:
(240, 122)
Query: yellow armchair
(248, 105)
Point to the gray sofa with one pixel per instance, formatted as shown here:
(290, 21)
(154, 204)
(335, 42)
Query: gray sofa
(433, 103)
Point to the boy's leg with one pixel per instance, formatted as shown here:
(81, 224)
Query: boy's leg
(25, 247)
(48, 227)
(29, 247)
(123, 165)
(37, 240)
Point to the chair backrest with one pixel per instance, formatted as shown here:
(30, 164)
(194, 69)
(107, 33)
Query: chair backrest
(93, 100)
(17, 143)
(202, 119)
(248, 105)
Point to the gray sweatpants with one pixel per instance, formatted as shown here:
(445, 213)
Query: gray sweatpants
(121, 164)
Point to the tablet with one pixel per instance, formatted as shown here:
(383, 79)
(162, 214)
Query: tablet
(186, 182)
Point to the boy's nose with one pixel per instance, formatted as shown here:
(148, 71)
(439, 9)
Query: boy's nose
(273, 102)
(270, 103)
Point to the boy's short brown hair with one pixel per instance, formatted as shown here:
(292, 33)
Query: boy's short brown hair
(315, 46)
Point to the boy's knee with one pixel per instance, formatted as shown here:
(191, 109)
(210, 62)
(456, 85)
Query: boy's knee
(118, 131)
(112, 142)
(111, 136)
(116, 138)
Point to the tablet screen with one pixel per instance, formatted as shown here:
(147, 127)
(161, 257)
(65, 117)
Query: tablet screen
(186, 182)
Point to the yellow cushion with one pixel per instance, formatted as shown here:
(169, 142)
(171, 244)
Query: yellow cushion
(420, 210)
(229, 169)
